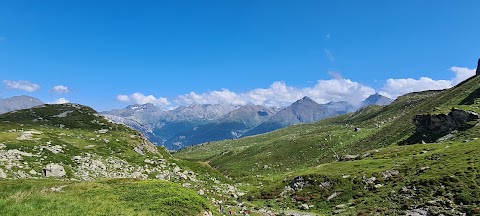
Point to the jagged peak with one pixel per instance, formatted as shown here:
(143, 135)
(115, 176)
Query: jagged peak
(306, 99)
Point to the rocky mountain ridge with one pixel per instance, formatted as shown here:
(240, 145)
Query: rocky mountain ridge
(199, 123)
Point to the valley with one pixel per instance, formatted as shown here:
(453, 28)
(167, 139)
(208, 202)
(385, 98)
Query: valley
(376, 160)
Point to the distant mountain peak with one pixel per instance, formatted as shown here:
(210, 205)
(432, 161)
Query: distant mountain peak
(376, 99)
(305, 99)
(18, 103)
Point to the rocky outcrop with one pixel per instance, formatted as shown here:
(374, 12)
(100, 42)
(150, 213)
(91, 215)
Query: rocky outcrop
(442, 124)
(478, 68)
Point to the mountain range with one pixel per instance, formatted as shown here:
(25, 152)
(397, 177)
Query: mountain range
(200, 123)
(18, 103)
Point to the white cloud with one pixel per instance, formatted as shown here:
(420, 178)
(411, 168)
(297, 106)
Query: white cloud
(123, 98)
(396, 87)
(60, 89)
(329, 55)
(461, 74)
(21, 85)
(61, 101)
(280, 94)
(139, 98)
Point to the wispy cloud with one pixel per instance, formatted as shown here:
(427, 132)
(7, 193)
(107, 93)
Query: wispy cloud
(335, 75)
(328, 36)
(60, 89)
(329, 55)
(21, 85)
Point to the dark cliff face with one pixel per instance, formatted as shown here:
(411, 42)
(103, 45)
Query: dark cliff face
(431, 127)
(478, 67)
(444, 124)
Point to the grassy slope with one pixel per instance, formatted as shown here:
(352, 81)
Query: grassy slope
(308, 145)
(428, 173)
(105, 197)
(77, 134)
(312, 150)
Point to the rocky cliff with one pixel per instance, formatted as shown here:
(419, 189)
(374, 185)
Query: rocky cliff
(432, 127)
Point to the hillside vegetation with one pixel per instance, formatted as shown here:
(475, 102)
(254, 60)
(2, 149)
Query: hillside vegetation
(72, 150)
(362, 161)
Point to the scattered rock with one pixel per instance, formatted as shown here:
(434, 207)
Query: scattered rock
(333, 196)
(33, 172)
(102, 131)
(207, 213)
(298, 183)
(390, 173)
(417, 212)
(28, 135)
(304, 207)
(350, 157)
(369, 180)
(325, 184)
(424, 168)
(54, 189)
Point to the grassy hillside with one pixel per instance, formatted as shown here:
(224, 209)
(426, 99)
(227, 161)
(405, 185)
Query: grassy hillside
(104, 197)
(365, 162)
(81, 145)
(441, 178)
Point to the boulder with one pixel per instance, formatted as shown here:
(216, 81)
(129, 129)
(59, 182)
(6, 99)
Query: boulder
(54, 170)
(2, 174)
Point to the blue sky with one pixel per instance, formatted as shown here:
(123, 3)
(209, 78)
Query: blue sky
(108, 54)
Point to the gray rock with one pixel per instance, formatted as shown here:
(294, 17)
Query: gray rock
(2, 174)
(333, 196)
(54, 170)
(298, 183)
(390, 173)
(33, 172)
(304, 207)
(417, 212)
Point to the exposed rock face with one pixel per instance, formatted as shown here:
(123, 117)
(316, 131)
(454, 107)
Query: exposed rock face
(54, 170)
(442, 124)
(478, 68)
(298, 183)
